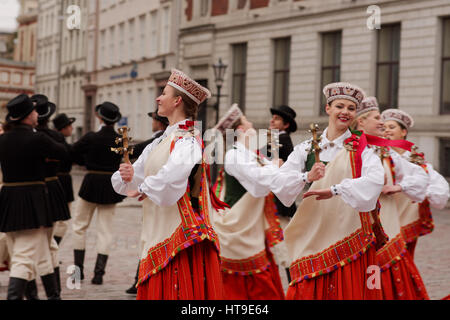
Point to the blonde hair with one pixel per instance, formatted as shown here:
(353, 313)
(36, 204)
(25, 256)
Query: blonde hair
(354, 125)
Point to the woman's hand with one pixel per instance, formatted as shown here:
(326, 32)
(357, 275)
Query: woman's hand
(317, 172)
(321, 194)
(126, 172)
(136, 194)
(390, 190)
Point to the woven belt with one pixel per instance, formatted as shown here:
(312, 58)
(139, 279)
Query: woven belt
(100, 172)
(63, 174)
(51, 179)
(23, 184)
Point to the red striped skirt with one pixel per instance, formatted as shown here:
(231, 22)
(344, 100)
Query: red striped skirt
(402, 281)
(194, 274)
(265, 285)
(345, 283)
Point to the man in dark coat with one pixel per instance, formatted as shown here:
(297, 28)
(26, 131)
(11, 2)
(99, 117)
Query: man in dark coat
(63, 125)
(96, 192)
(283, 120)
(159, 125)
(58, 205)
(24, 203)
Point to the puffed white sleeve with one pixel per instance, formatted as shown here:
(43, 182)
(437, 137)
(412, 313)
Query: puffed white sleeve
(170, 183)
(291, 178)
(437, 189)
(362, 193)
(411, 177)
(255, 179)
(122, 187)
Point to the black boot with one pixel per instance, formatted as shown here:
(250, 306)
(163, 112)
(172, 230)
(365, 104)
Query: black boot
(58, 280)
(51, 287)
(31, 292)
(133, 289)
(16, 288)
(99, 270)
(57, 239)
(79, 261)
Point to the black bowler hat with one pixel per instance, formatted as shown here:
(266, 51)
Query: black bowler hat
(108, 111)
(44, 107)
(61, 121)
(155, 115)
(288, 115)
(19, 108)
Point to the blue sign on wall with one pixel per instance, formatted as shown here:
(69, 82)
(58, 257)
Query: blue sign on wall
(123, 122)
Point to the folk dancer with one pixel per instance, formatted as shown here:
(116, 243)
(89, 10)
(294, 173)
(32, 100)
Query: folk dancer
(159, 125)
(331, 242)
(63, 124)
(96, 194)
(415, 217)
(180, 253)
(251, 226)
(58, 205)
(283, 120)
(24, 203)
(400, 278)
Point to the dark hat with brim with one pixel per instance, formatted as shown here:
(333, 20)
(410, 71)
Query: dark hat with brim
(156, 116)
(109, 112)
(288, 115)
(19, 108)
(44, 108)
(62, 120)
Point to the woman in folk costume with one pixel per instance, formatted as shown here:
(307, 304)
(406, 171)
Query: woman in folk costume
(415, 218)
(180, 250)
(400, 278)
(251, 225)
(331, 242)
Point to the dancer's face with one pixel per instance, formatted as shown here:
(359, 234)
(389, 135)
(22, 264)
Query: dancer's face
(393, 131)
(372, 124)
(342, 113)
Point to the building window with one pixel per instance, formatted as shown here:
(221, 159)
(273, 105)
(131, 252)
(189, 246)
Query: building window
(154, 33)
(445, 158)
(281, 71)
(204, 7)
(122, 42)
(165, 38)
(331, 62)
(143, 40)
(445, 82)
(132, 53)
(388, 66)
(239, 74)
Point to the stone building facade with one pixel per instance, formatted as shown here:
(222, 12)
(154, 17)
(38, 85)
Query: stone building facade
(131, 52)
(284, 51)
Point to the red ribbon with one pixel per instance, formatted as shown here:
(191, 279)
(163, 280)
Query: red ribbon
(187, 125)
(377, 141)
(359, 143)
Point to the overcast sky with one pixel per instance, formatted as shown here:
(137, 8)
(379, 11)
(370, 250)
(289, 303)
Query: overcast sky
(9, 9)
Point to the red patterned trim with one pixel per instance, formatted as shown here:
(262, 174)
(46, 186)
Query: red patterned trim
(274, 234)
(423, 226)
(218, 186)
(338, 255)
(246, 267)
(391, 253)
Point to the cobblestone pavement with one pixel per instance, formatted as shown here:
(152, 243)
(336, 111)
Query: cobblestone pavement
(432, 258)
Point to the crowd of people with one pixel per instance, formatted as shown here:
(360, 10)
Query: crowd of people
(325, 211)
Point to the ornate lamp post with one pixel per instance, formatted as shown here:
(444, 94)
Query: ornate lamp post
(219, 74)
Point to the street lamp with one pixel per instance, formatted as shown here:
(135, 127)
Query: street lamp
(219, 74)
